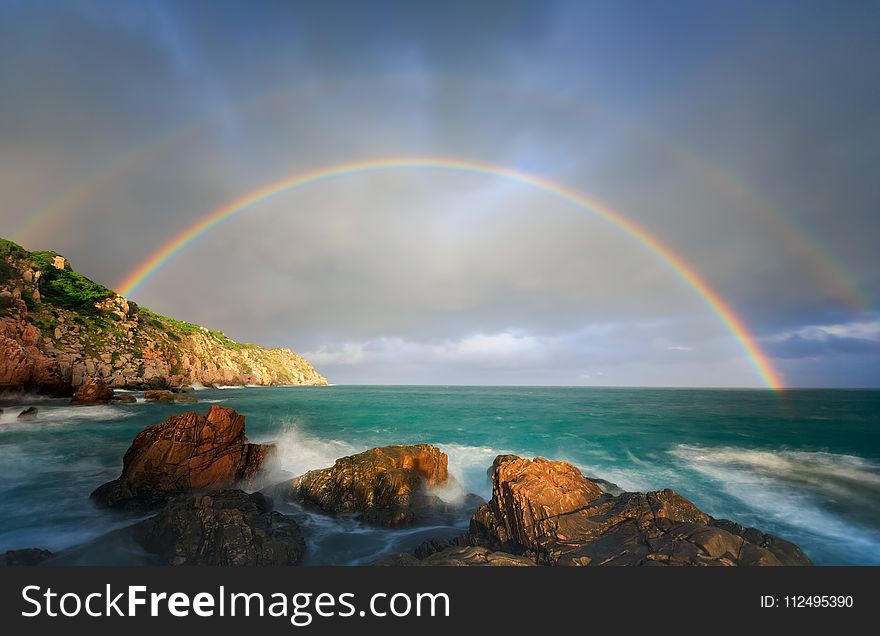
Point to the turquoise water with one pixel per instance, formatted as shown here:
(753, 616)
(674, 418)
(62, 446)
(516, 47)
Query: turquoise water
(804, 465)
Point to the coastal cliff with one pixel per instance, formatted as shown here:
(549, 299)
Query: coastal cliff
(58, 329)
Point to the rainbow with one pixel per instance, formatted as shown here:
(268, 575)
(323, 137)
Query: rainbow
(710, 297)
(819, 260)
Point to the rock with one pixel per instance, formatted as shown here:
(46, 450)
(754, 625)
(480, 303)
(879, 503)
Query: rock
(26, 556)
(95, 391)
(186, 398)
(29, 413)
(229, 527)
(125, 397)
(610, 487)
(187, 452)
(458, 556)
(386, 486)
(158, 395)
(549, 512)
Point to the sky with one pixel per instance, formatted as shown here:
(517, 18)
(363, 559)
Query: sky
(744, 136)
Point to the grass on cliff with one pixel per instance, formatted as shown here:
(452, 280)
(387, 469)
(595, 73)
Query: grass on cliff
(10, 250)
(67, 289)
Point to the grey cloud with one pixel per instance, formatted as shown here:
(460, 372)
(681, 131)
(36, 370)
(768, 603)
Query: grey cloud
(392, 269)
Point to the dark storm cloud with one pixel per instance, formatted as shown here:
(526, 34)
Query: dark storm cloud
(690, 118)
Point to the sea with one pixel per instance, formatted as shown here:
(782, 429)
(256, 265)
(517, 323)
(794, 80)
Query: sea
(801, 464)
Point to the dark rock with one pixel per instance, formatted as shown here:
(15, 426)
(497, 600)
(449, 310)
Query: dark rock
(125, 398)
(610, 487)
(158, 395)
(229, 527)
(385, 486)
(29, 413)
(187, 452)
(550, 514)
(94, 391)
(26, 556)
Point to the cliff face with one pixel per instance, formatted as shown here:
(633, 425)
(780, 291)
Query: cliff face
(58, 329)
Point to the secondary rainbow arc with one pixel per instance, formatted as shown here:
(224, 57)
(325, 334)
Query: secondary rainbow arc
(710, 297)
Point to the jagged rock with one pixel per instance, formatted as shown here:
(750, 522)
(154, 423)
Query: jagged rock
(229, 527)
(25, 556)
(125, 397)
(187, 452)
(29, 413)
(550, 512)
(95, 391)
(386, 486)
(158, 395)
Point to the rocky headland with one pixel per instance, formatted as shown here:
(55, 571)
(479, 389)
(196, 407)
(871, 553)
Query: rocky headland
(59, 330)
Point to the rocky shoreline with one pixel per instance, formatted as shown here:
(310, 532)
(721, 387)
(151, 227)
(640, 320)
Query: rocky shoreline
(206, 485)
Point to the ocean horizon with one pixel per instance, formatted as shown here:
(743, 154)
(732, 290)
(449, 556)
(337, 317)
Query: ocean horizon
(803, 464)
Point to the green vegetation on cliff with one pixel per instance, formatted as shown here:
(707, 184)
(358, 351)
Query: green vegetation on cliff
(89, 330)
(67, 289)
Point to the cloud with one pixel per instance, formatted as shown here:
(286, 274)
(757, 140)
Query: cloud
(856, 338)
(706, 128)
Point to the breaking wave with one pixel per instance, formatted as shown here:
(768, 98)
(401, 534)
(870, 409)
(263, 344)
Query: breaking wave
(833, 495)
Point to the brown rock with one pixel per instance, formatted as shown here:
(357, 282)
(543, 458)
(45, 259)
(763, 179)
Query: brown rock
(186, 452)
(158, 395)
(229, 527)
(551, 513)
(95, 391)
(125, 397)
(186, 398)
(385, 486)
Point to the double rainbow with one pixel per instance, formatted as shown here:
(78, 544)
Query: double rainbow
(709, 296)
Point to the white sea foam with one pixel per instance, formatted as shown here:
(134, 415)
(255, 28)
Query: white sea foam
(300, 451)
(468, 464)
(59, 415)
(817, 492)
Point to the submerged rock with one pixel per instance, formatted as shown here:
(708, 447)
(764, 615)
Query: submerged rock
(94, 391)
(187, 452)
(229, 527)
(186, 398)
(158, 395)
(549, 513)
(29, 413)
(125, 398)
(25, 556)
(387, 486)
